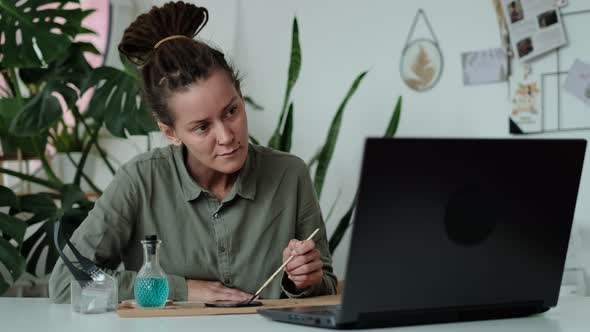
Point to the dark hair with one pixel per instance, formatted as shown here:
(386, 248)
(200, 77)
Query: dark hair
(174, 64)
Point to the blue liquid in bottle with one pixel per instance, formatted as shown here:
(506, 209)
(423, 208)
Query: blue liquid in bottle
(151, 283)
(151, 292)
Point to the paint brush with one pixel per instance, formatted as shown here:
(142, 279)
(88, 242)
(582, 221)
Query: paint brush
(279, 269)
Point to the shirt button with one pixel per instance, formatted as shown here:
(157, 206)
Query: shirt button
(216, 215)
(222, 249)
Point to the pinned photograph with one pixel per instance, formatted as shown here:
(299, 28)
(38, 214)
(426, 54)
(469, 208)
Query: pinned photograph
(525, 99)
(485, 66)
(515, 11)
(547, 19)
(539, 29)
(524, 47)
(577, 82)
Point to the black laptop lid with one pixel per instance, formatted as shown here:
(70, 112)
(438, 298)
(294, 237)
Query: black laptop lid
(445, 223)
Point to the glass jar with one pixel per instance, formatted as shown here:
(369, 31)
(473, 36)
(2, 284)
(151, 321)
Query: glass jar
(151, 283)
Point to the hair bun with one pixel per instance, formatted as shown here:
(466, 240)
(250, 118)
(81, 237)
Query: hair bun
(172, 19)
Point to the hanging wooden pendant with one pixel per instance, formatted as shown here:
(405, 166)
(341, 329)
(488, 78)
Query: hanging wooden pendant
(421, 61)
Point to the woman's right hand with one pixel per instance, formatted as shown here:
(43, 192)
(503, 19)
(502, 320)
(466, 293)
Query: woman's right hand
(209, 291)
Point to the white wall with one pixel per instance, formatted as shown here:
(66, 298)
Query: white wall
(339, 39)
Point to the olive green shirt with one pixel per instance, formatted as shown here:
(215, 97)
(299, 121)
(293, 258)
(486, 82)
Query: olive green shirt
(238, 242)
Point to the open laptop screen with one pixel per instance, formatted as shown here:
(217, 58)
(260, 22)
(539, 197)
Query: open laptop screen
(455, 223)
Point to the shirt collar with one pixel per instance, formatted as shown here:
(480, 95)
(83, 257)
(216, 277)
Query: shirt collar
(190, 189)
(245, 185)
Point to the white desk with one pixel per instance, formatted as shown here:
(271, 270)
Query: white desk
(36, 315)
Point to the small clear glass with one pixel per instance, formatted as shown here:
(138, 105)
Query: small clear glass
(94, 296)
(151, 283)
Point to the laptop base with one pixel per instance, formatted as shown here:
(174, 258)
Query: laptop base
(327, 317)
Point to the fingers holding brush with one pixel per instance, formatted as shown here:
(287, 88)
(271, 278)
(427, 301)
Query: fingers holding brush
(305, 263)
(305, 280)
(294, 249)
(305, 268)
(298, 248)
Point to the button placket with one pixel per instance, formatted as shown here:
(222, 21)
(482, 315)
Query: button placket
(222, 249)
(217, 214)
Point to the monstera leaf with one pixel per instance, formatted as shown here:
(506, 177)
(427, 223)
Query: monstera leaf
(73, 210)
(42, 239)
(44, 28)
(117, 101)
(10, 143)
(63, 77)
(12, 232)
(17, 254)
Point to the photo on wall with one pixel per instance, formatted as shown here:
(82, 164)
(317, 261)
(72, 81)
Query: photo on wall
(515, 10)
(525, 115)
(535, 27)
(547, 19)
(524, 47)
(485, 66)
(578, 81)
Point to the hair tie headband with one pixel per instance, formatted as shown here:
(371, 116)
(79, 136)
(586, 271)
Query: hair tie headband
(169, 38)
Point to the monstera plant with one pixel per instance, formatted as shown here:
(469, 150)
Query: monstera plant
(319, 163)
(42, 63)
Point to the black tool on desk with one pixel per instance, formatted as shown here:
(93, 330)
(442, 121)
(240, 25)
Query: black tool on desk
(87, 270)
(453, 230)
(233, 304)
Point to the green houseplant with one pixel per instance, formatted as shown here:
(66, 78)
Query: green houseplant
(282, 136)
(29, 120)
(39, 59)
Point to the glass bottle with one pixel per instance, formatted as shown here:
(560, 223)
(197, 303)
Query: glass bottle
(151, 283)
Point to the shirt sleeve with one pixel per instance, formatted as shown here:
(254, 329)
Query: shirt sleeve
(103, 236)
(309, 217)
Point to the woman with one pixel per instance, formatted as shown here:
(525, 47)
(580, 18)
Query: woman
(228, 213)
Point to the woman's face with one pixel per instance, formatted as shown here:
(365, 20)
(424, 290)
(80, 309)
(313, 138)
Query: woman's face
(210, 120)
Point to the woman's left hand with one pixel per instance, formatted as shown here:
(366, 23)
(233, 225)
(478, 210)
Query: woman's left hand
(305, 269)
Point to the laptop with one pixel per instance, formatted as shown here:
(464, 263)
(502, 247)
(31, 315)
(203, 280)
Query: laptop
(454, 230)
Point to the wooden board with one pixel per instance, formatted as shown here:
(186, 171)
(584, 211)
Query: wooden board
(199, 309)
